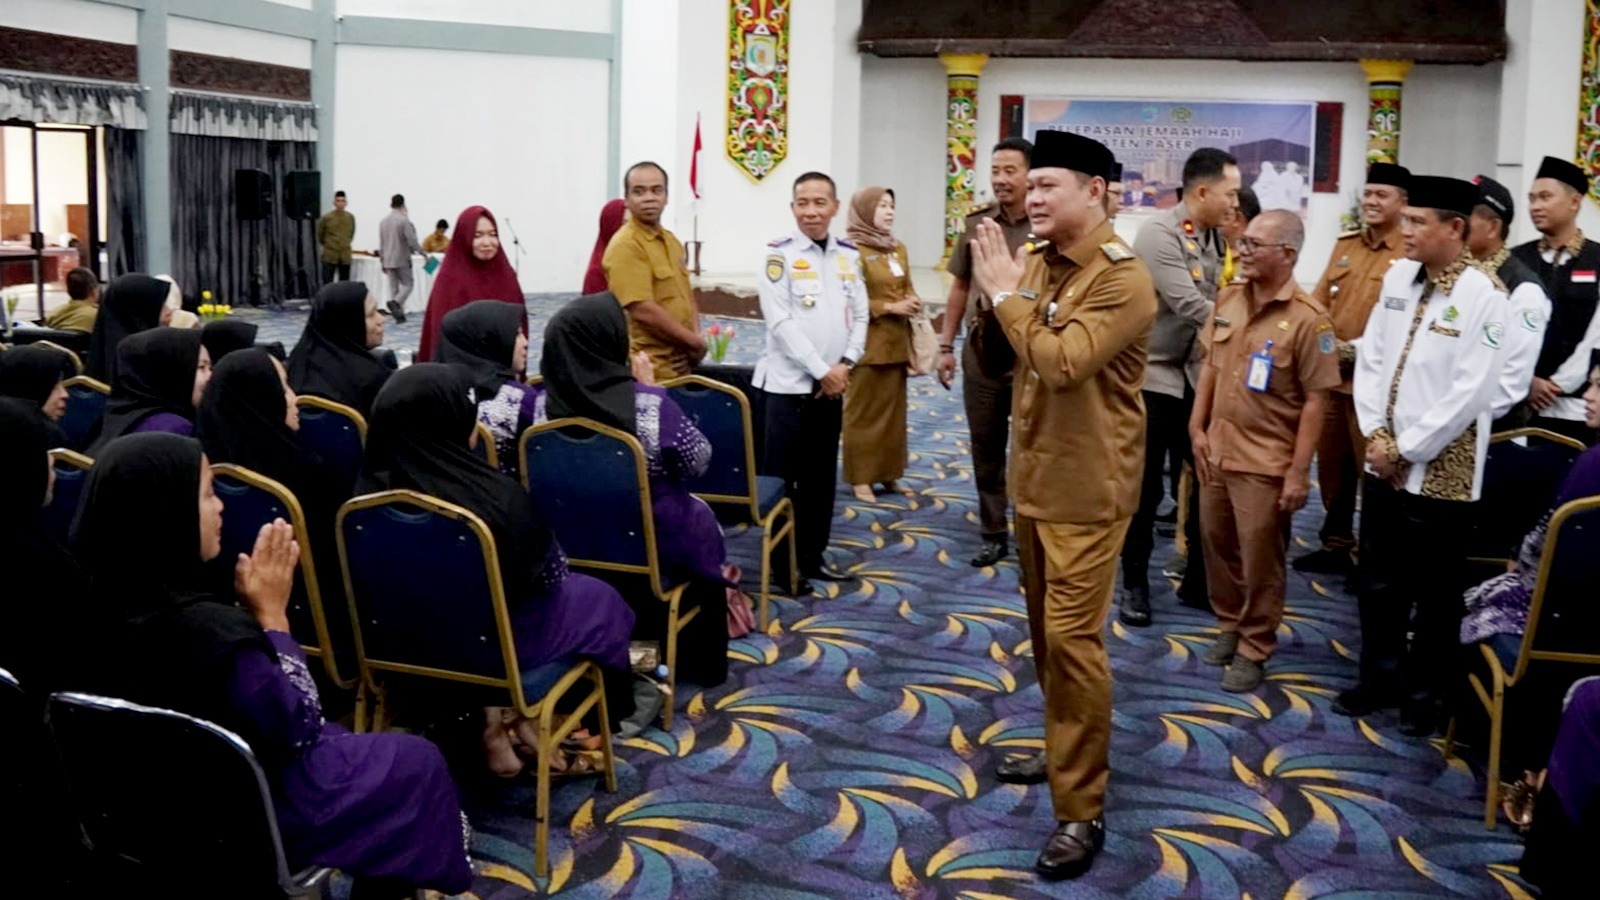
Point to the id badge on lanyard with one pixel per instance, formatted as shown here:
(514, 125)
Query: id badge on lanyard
(894, 267)
(1259, 376)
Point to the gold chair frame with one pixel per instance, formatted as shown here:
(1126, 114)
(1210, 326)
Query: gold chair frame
(1544, 435)
(93, 384)
(77, 362)
(486, 443)
(306, 401)
(551, 733)
(323, 649)
(676, 620)
(71, 457)
(771, 534)
(1493, 695)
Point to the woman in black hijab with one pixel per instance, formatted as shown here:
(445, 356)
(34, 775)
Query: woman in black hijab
(486, 336)
(34, 375)
(588, 373)
(333, 359)
(378, 806)
(32, 623)
(161, 376)
(248, 418)
(223, 336)
(132, 303)
(420, 438)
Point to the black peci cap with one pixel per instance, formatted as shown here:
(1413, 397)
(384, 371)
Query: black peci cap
(1564, 172)
(1435, 192)
(1390, 174)
(1065, 150)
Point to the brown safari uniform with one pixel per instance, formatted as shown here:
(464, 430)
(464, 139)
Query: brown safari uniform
(1079, 326)
(1251, 436)
(648, 264)
(875, 402)
(1348, 290)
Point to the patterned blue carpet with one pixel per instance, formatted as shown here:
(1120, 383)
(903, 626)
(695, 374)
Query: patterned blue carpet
(851, 752)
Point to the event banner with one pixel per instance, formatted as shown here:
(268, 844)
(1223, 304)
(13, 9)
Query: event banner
(1152, 138)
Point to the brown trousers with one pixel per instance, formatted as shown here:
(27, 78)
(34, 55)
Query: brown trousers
(1069, 572)
(1245, 538)
(1341, 458)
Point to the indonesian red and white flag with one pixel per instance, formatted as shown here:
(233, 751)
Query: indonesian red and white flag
(694, 161)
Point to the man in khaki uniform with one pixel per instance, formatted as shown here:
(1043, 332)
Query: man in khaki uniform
(1257, 414)
(335, 230)
(1348, 290)
(1078, 315)
(644, 266)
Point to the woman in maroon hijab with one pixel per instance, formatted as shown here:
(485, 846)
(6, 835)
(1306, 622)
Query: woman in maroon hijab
(475, 268)
(611, 218)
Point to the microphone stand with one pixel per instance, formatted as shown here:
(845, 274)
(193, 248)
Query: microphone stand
(515, 243)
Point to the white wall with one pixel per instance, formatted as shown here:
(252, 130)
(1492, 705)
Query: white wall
(739, 216)
(76, 18)
(650, 98)
(195, 36)
(63, 175)
(1449, 120)
(902, 147)
(570, 15)
(524, 136)
(1539, 99)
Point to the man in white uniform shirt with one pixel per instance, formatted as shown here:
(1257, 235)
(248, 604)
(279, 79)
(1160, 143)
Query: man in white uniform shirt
(1427, 370)
(814, 302)
(1530, 308)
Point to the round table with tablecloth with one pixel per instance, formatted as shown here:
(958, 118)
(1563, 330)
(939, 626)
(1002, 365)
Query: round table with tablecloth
(366, 269)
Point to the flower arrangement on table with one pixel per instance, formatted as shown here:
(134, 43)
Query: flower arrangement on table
(211, 311)
(717, 340)
(11, 314)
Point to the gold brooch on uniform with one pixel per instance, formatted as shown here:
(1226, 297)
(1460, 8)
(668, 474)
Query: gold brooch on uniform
(808, 302)
(1284, 325)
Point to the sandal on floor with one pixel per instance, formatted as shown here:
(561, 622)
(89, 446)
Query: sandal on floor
(1517, 803)
(864, 493)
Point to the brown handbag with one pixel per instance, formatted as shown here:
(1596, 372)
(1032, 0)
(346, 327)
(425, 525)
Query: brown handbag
(996, 357)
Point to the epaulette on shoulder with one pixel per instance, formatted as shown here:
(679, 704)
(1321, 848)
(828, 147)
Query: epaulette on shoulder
(781, 242)
(1311, 301)
(1494, 277)
(847, 244)
(1352, 233)
(1116, 251)
(983, 210)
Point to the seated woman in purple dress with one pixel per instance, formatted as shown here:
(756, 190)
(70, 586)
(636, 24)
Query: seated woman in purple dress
(380, 807)
(420, 439)
(588, 373)
(161, 374)
(1567, 829)
(487, 337)
(1497, 615)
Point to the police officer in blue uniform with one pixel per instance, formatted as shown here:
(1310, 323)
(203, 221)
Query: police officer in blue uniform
(814, 302)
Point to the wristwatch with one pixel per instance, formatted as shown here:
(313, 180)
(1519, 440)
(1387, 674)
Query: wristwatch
(848, 363)
(1000, 298)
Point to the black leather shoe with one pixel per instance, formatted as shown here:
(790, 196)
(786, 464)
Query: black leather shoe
(1022, 770)
(1418, 718)
(1071, 849)
(1325, 562)
(826, 572)
(1135, 609)
(1362, 701)
(992, 551)
(397, 311)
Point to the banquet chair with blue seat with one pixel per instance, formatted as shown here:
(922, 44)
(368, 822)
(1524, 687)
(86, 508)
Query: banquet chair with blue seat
(42, 852)
(72, 474)
(72, 355)
(1521, 476)
(722, 413)
(484, 447)
(428, 603)
(1563, 629)
(335, 432)
(181, 808)
(86, 406)
(593, 485)
(322, 627)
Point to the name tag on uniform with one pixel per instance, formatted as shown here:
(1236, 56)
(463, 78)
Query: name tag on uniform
(1583, 276)
(1259, 376)
(1394, 303)
(894, 267)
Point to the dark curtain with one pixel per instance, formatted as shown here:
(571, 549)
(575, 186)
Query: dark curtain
(125, 201)
(211, 248)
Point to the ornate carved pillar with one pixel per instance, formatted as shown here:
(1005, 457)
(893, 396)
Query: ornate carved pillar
(1384, 79)
(961, 137)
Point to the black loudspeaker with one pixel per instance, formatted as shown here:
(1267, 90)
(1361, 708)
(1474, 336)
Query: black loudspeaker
(302, 195)
(252, 195)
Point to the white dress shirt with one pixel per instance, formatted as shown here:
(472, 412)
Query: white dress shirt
(814, 302)
(1525, 324)
(1574, 373)
(1448, 380)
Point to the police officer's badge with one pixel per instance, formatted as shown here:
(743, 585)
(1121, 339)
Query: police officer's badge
(775, 268)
